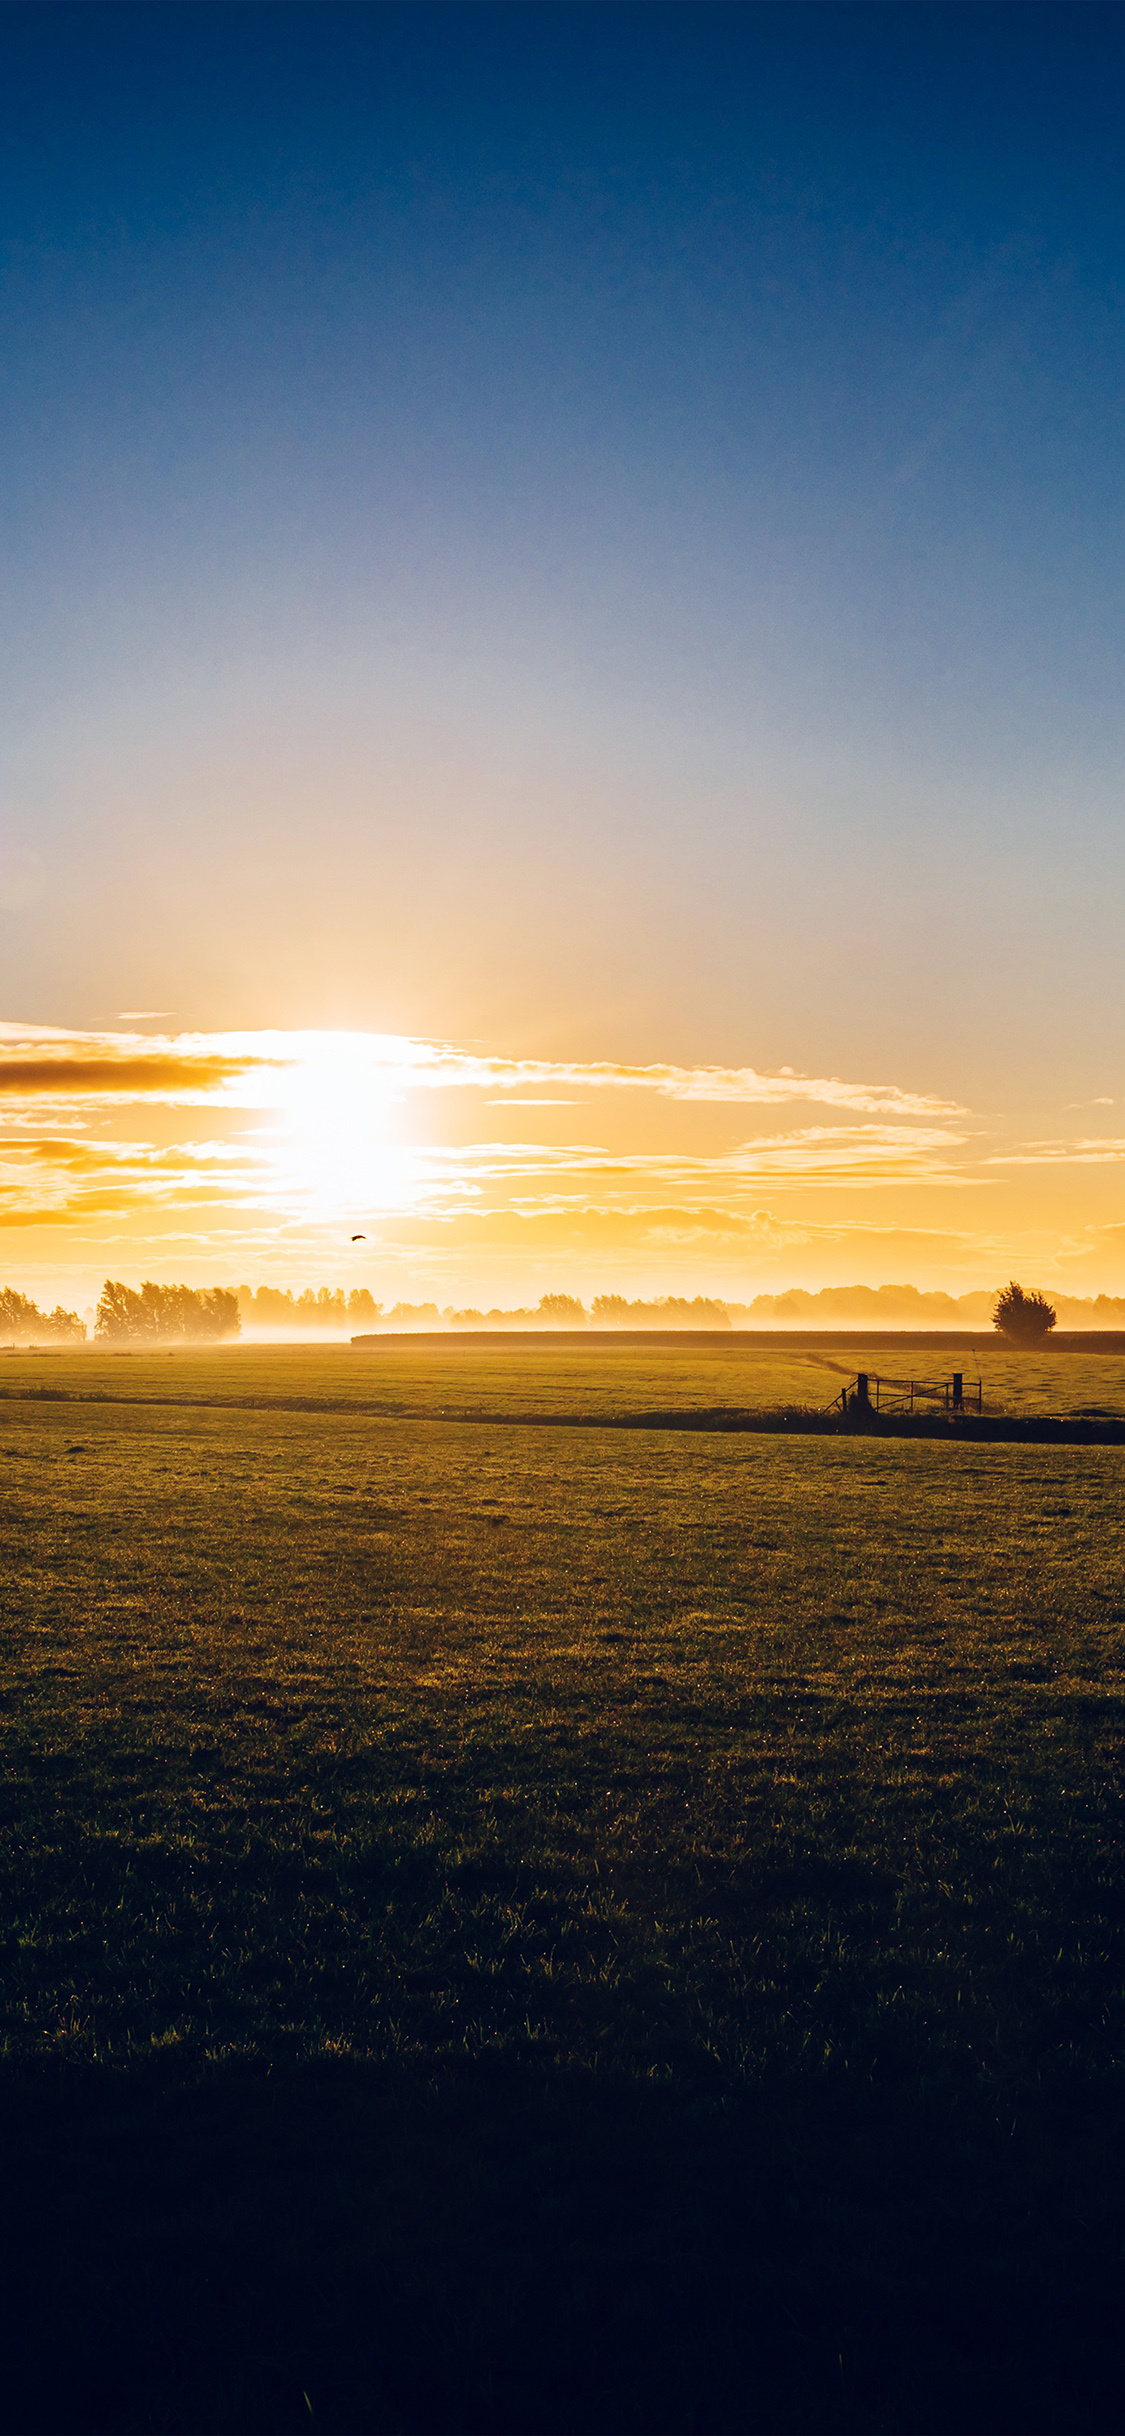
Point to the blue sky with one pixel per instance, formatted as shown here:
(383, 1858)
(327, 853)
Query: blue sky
(593, 531)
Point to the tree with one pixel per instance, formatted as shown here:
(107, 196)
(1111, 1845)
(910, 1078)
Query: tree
(1025, 1319)
(121, 1312)
(326, 1308)
(668, 1311)
(17, 1314)
(560, 1311)
(67, 1325)
(22, 1321)
(166, 1314)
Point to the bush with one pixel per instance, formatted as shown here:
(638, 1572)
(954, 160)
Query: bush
(1025, 1318)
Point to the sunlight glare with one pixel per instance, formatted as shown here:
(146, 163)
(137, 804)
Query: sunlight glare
(332, 1152)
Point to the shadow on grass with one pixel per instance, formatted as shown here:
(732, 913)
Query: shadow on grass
(513, 2248)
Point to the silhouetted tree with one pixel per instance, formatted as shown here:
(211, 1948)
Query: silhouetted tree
(561, 1311)
(1024, 1318)
(22, 1322)
(166, 1314)
(121, 1312)
(67, 1325)
(668, 1311)
(610, 1310)
(327, 1308)
(17, 1314)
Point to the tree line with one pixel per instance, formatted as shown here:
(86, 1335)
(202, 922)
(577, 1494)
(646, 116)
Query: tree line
(275, 1307)
(167, 1314)
(559, 1311)
(606, 1311)
(180, 1314)
(23, 1323)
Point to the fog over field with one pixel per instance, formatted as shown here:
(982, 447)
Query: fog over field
(272, 1314)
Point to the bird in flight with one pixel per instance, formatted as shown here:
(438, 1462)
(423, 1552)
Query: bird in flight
(359, 1238)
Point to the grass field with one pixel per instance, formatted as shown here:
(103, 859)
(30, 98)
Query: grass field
(459, 1375)
(517, 1929)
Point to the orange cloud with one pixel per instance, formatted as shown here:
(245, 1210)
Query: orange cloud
(325, 1135)
(36, 1059)
(118, 1077)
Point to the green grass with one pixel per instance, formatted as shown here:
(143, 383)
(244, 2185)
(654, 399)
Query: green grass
(510, 1929)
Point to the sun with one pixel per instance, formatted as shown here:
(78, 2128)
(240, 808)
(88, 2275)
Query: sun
(332, 1152)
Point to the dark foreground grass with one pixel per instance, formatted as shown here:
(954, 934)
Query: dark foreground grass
(539, 1930)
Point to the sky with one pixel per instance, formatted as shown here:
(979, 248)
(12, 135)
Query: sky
(561, 621)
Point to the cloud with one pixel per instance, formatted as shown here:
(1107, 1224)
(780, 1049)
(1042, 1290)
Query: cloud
(326, 1134)
(166, 1076)
(39, 1064)
(61, 1182)
(432, 1064)
(36, 1059)
(857, 1154)
(1088, 1153)
(576, 1227)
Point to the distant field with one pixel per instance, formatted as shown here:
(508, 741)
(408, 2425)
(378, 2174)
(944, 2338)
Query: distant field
(458, 1375)
(514, 1929)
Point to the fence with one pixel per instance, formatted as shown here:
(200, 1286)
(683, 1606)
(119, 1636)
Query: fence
(865, 1393)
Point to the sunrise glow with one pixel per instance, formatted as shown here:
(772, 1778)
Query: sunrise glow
(512, 779)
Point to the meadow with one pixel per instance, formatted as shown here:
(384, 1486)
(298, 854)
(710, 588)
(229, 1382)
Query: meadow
(510, 1928)
(595, 1375)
